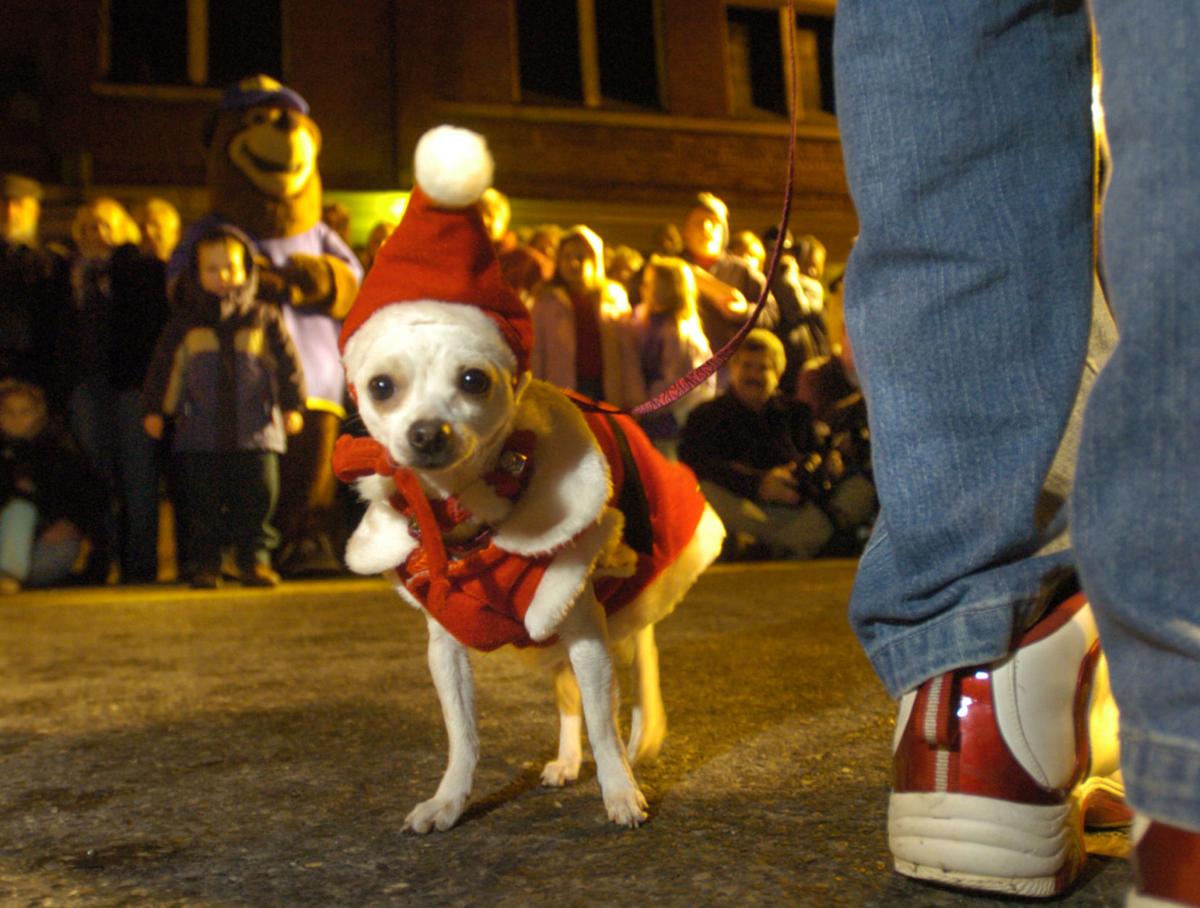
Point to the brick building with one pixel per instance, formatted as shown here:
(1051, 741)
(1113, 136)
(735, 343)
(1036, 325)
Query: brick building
(610, 112)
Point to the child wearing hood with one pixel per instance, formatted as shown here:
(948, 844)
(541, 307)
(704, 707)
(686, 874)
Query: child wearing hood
(226, 371)
(582, 326)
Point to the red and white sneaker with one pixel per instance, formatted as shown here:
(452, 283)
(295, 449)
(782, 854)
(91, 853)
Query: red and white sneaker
(1166, 865)
(995, 766)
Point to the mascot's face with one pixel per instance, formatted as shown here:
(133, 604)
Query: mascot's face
(276, 149)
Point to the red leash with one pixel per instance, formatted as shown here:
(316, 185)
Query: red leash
(698, 375)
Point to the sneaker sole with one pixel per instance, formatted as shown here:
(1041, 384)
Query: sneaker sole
(986, 844)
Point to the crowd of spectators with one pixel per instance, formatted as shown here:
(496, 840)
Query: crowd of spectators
(94, 352)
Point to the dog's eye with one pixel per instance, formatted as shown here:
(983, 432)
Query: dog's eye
(474, 381)
(381, 387)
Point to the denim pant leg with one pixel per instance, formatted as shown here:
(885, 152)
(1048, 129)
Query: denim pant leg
(18, 521)
(201, 484)
(966, 128)
(251, 504)
(1136, 503)
(90, 409)
(137, 476)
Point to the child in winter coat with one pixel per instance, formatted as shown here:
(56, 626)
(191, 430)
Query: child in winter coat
(227, 372)
(581, 325)
(671, 343)
(49, 498)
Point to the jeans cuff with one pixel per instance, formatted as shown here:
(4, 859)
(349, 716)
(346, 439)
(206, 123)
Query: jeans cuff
(975, 634)
(1162, 777)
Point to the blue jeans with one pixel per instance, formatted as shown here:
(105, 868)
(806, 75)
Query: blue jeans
(32, 561)
(108, 424)
(967, 136)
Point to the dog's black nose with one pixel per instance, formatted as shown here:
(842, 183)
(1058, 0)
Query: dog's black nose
(429, 436)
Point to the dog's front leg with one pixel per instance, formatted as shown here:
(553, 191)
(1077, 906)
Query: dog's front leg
(585, 635)
(565, 768)
(451, 670)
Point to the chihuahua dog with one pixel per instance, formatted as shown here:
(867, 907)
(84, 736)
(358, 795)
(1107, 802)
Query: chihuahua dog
(506, 511)
(442, 405)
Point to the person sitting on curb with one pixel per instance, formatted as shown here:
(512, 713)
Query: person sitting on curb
(765, 466)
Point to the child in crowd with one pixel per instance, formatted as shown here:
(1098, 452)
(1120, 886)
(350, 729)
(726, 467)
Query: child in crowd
(49, 500)
(746, 245)
(581, 325)
(545, 239)
(158, 220)
(671, 343)
(225, 369)
(624, 264)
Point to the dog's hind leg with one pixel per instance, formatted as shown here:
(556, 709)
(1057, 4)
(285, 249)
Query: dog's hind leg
(451, 670)
(648, 723)
(565, 768)
(583, 631)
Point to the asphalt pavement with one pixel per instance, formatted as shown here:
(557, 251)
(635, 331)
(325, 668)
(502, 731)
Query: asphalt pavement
(164, 747)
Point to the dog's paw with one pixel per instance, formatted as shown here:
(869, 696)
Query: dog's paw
(436, 813)
(380, 541)
(558, 773)
(541, 625)
(626, 806)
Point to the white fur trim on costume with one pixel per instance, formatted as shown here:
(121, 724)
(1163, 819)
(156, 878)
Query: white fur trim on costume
(380, 541)
(571, 483)
(374, 488)
(478, 332)
(560, 586)
(453, 166)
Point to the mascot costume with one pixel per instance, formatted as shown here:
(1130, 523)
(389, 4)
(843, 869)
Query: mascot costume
(262, 148)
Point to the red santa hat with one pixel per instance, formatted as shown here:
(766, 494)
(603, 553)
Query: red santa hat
(440, 251)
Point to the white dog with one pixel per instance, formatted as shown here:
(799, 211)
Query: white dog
(499, 507)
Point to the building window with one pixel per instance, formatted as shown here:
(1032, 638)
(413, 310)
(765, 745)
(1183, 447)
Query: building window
(190, 42)
(548, 50)
(756, 63)
(244, 37)
(760, 68)
(814, 57)
(22, 115)
(628, 51)
(598, 53)
(148, 43)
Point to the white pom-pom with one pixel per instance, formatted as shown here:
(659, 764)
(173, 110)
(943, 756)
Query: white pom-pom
(453, 166)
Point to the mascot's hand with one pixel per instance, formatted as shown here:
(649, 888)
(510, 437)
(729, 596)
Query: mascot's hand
(311, 280)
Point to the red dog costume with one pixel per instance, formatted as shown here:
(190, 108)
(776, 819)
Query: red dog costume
(564, 479)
